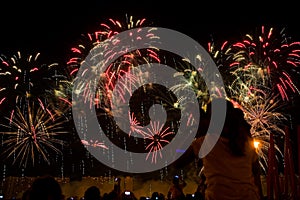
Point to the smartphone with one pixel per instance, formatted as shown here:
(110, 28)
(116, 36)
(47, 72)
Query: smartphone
(127, 193)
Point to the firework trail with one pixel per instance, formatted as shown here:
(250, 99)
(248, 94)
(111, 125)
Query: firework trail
(135, 125)
(157, 134)
(254, 70)
(265, 115)
(89, 41)
(192, 78)
(125, 89)
(32, 133)
(275, 57)
(246, 85)
(262, 108)
(95, 144)
(221, 54)
(118, 81)
(118, 68)
(27, 77)
(60, 99)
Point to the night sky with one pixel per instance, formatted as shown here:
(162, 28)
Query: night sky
(53, 27)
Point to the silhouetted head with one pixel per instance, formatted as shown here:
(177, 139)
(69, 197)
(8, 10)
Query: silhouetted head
(235, 128)
(45, 187)
(92, 193)
(176, 180)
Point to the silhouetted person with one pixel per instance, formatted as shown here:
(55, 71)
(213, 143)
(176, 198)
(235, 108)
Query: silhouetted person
(92, 193)
(115, 194)
(176, 190)
(25, 195)
(128, 195)
(45, 188)
(200, 191)
(157, 196)
(231, 166)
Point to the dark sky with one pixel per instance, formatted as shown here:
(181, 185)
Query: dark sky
(53, 27)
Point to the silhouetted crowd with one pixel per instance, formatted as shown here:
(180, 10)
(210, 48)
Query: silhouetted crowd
(47, 188)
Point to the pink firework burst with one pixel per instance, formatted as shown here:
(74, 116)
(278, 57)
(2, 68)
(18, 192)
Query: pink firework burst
(276, 57)
(117, 69)
(135, 126)
(93, 143)
(90, 40)
(157, 135)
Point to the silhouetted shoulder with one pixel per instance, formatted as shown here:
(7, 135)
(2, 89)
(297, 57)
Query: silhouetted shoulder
(196, 144)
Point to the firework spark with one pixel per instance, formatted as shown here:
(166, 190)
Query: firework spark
(89, 41)
(93, 143)
(135, 125)
(26, 77)
(33, 132)
(157, 135)
(117, 69)
(276, 57)
(254, 70)
(265, 116)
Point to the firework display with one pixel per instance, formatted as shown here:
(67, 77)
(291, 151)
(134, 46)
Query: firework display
(259, 71)
(129, 90)
(32, 132)
(260, 75)
(26, 77)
